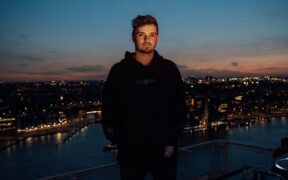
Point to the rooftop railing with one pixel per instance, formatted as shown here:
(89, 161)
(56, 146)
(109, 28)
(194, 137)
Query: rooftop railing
(217, 159)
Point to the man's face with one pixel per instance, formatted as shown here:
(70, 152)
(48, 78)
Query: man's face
(145, 38)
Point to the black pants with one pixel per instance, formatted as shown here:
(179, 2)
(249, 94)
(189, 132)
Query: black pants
(160, 168)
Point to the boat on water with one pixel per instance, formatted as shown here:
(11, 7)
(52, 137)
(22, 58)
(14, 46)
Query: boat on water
(110, 147)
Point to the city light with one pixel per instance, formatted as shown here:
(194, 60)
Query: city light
(211, 102)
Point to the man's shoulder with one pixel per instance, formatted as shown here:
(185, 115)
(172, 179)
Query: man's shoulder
(118, 66)
(169, 63)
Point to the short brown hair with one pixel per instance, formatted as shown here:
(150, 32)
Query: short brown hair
(143, 20)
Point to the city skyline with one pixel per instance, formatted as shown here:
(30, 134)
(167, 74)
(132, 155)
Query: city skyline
(81, 40)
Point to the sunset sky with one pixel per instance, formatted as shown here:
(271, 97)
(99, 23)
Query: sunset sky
(81, 39)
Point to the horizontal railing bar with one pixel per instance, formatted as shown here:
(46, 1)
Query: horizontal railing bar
(222, 141)
(77, 173)
(112, 166)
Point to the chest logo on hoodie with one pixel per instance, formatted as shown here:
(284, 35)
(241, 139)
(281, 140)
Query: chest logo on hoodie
(146, 81)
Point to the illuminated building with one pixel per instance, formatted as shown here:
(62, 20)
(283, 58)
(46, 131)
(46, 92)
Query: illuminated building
(7, 125)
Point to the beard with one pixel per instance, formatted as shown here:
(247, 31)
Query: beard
(145, 48)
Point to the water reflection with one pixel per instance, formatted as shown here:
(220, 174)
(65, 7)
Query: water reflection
(283, 120)
(21, 143)
(29, 140)
(8, 151)
(262, 124)
(247, 129)
(273, 120)
(84, 129)
(58, 138)
(43, 139)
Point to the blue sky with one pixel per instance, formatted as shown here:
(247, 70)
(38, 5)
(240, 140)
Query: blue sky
(81, 40)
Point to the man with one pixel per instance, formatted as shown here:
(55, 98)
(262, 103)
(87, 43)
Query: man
(143, 106)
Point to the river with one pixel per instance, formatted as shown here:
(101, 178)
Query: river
(51, 154)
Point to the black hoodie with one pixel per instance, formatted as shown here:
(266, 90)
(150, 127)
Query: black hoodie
(143, 104)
